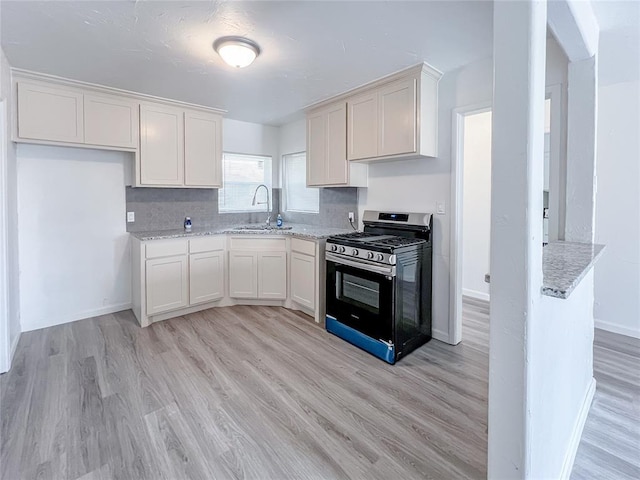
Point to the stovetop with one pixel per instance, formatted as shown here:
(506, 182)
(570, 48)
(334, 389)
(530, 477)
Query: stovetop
(370, 241)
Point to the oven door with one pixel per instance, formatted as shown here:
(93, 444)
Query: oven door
(361, 296)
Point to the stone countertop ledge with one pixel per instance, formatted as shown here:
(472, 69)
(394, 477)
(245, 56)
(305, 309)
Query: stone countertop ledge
(313, 232)
(564, 265)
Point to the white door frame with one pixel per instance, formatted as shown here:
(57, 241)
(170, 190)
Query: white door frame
(557, 180)
(5, 347)
(456, 234)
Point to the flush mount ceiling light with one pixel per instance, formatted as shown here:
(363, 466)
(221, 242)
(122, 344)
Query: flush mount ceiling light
(238, 52)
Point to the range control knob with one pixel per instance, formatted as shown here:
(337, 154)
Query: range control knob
(334, 248)
(379, 257)
(342, 249)
(370, 255)
(354, 252)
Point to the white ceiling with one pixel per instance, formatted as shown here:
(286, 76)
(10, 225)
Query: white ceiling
(310, 50)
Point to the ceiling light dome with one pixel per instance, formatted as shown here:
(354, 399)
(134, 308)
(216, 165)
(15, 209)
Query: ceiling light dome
(238, 52)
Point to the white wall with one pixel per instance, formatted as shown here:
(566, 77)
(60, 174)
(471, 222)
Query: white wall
(293, 137)
(561, 384)
(476, 221)
(10, 303)
(617, 274)
(416, 185)
(253, 139)
(74, 249)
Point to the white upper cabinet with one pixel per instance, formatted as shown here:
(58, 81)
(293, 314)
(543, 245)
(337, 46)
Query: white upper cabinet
(177, 145)
(50, 113)
(110, 121)
(161, 145)
(392, 118)
(327, 163)
(397, 118)
(202, 149)
(363, 126)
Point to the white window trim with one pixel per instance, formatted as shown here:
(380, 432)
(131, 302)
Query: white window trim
(271, 186)
(285, 207)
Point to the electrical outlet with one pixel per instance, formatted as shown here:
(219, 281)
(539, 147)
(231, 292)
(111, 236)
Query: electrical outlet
(352, 216)
(131, 217)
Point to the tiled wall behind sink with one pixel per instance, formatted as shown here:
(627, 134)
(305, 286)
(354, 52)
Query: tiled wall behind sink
(335, 205)
(165, 209)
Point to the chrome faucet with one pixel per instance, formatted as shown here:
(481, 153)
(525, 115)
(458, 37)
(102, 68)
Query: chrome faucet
(253, 202)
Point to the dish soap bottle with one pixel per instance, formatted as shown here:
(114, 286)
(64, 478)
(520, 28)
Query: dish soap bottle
(279, 221)
(187, 224)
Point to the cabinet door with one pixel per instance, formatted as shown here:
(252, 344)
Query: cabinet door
(206, 274)
(110, 121)
(166, 284)
(397, 117)
(303, 280)
(161, 145)
(243, 274)
(336, 127)
(316, 149)
(362, 126)
(202, 149)
(272, 275)
(49, 113)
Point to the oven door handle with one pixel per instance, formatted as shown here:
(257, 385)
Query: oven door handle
(331, 257)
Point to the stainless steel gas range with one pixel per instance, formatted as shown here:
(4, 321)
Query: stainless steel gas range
(379, 284)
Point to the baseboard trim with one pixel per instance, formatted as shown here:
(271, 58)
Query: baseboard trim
(78, 316)
(574, 441)
(475, 294)
(615, 328)
(12, 353)
(440, 335)
(14, 347)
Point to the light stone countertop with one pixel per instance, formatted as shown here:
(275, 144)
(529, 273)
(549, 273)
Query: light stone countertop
(312, 232)
(564, 265)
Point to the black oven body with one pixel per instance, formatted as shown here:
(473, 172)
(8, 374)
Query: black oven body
(386, 315)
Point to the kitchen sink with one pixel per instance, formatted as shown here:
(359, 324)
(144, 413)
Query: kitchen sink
(261, 227)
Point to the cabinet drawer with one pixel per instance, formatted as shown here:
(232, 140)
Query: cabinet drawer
(303, 246)
(165, 248)
(207, 244)
(250, 242)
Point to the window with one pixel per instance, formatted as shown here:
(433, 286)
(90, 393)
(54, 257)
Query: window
(241, 174)
(298, 198)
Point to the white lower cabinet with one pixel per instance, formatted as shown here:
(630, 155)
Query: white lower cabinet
(303, 280)
(258, 268)
(167, 284)
(206, 277)
(173, 277)
(243, 274)
(272, 275)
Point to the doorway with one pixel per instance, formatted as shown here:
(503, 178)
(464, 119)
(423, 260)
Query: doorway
(5, 347)
(471, 193)
(471, 210)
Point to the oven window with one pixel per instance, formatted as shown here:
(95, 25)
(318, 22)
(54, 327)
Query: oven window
(356, 290)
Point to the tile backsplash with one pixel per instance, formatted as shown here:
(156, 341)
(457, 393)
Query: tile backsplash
(165, 209)
(335, 205)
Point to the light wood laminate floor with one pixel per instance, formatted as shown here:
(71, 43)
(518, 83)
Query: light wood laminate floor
(245, 392)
